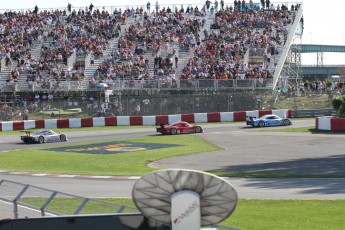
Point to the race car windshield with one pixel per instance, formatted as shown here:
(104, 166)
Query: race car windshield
(44, 132)
(269, 117)
(186, 124)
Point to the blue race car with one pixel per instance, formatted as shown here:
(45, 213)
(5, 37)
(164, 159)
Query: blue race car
(267, 120)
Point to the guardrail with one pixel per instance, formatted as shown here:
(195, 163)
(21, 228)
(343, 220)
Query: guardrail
(19, 200)
(312, 113)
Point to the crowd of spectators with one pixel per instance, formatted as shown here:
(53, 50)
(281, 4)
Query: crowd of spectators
(61, 33)
(218, 53)
(119, 65)
(155, 34)
(236, 31)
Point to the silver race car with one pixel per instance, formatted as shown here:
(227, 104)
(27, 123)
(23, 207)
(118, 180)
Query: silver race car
(43, 136)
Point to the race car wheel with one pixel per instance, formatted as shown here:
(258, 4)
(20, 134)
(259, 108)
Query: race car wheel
(286, 122)
(41, 139)
(261, 123)
(63, 137)
(173, 131)
(198, 129)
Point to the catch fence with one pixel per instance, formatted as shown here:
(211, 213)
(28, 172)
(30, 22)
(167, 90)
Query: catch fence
(124, 103)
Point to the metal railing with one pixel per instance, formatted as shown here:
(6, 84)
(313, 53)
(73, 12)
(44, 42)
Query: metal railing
(19, 200)
(312, 112)
(162, 84)
(111, 9)
(278, 72)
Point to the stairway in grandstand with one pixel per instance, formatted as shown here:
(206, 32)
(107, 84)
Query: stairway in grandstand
(4, 74)
(209, 20)
(149, 56)
(90, 69)
(36, 54)
(185, 56)
(280, 72)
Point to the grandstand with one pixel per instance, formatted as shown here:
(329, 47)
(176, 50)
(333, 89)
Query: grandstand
(136, 52)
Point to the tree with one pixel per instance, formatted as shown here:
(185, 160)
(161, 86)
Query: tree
(341, 72)
(338, 103)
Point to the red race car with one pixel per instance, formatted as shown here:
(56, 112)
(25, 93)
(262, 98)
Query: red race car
(179, 127)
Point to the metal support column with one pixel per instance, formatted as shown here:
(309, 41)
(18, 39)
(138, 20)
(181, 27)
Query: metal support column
(319, 58)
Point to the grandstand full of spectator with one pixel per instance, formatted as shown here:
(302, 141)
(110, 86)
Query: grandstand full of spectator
(219, 51)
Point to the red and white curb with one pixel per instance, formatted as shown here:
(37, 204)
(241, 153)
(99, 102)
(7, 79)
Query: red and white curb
(138, 120)
(330, 123)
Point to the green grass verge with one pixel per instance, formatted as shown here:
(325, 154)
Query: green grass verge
(249, 214)
(309, 129)
(123, 164)
(288, 214)
(69, 205)
(301, 102)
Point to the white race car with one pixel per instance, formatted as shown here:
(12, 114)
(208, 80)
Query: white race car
(43, 136)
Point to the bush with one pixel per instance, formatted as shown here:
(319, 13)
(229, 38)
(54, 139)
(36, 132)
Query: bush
(341, 111)
(338, 103)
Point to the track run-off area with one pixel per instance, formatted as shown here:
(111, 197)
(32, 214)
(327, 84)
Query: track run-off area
(244, 149)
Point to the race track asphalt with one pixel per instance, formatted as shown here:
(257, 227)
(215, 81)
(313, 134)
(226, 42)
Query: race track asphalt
(244, 149)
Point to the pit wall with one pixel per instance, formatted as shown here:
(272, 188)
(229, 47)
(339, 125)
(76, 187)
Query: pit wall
(330, 123)
(138, 120)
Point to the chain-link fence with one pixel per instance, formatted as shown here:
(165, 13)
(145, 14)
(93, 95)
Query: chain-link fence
(72, 104)
(124, 103)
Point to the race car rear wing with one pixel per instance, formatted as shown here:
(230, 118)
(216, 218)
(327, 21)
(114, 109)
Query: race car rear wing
(161, 128)
(250, 120)
(27, 133)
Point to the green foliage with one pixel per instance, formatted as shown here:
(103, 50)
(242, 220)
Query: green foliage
(338, 103)
(341, 111)
(328, 83)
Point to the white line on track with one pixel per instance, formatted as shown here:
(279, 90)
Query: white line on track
(16, 173)
(67, 176)
(101, 177)
(134, 177)
(39, 174)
